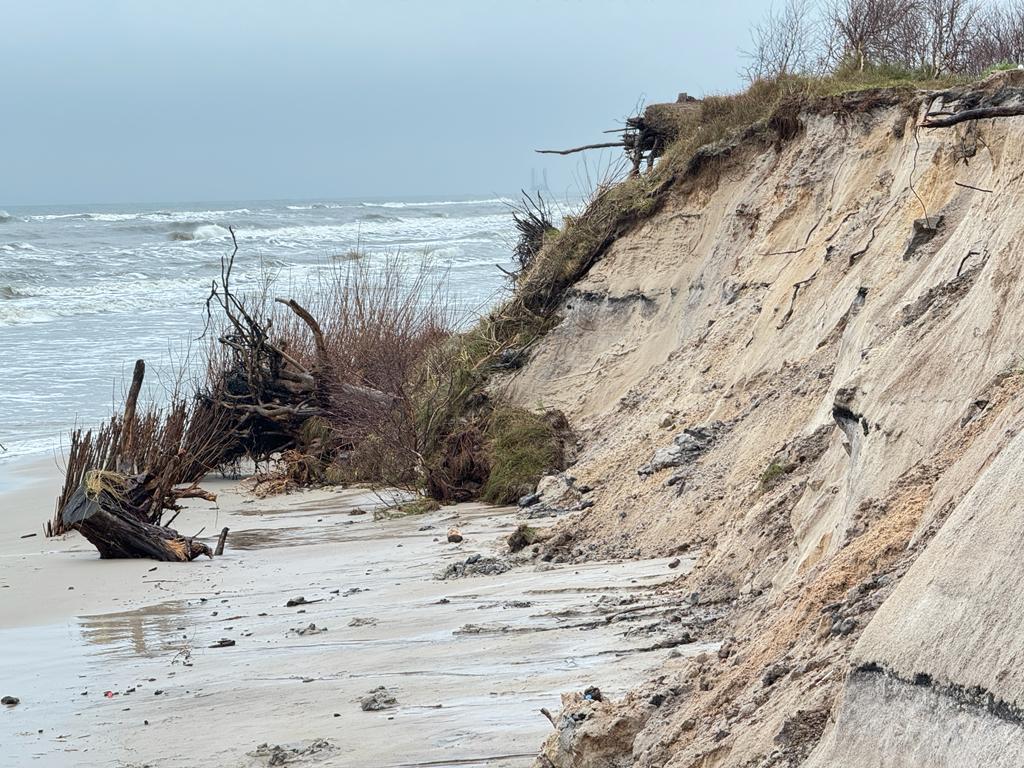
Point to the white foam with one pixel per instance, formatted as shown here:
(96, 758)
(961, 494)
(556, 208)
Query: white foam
(438, 202)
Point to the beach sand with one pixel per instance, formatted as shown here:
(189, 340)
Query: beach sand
(470, 661)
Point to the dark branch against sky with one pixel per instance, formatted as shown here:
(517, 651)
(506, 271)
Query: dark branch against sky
(185, 100)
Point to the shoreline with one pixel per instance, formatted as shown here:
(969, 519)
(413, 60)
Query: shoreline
(469, 660)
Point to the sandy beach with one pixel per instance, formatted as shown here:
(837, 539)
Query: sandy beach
(113, 663)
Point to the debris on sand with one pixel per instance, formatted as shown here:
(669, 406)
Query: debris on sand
(525, 536)
(474, 565)
(454, 536)
(300, 601)
(224, 642)
(10, 701)
(377, 699)
(278, 755)
(312, 629)
(363, 621)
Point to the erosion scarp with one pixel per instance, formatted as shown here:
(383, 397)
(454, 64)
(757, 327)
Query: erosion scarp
(804, 367)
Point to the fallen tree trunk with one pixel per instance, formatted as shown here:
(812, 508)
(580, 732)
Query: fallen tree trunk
(108, 522)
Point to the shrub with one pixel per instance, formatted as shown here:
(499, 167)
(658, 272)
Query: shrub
(522, 447)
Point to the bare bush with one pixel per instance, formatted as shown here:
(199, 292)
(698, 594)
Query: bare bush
(925, 38)
(784, 42)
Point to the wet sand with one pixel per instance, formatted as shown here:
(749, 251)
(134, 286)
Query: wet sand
(470, 661)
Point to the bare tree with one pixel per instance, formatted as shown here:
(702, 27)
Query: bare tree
(783, 41)
(999, 35)
(870, 29)
(950, 27)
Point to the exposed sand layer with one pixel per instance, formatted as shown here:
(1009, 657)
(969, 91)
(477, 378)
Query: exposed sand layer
(470, 661)
(806, 367)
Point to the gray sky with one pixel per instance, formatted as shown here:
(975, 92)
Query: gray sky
(189, 100)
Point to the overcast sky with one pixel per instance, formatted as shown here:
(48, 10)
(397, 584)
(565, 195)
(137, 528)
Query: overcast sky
(190, 100)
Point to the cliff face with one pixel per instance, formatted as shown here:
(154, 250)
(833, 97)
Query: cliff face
(806, 369)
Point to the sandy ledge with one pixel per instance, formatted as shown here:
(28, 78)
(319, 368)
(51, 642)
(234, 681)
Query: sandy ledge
(470, 661)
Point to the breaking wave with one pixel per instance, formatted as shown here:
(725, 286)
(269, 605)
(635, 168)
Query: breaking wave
(490, 200)
(7, 292)
(16, 247)
(200, 232)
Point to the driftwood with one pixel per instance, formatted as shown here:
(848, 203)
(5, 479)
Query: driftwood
(645, 136)
(104, 515)
(257, 399)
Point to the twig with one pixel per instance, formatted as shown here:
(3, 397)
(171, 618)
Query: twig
(969, 186)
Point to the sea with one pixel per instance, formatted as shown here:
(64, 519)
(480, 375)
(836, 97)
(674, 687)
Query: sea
(87, 290)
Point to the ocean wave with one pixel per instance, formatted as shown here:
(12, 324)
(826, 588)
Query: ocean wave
(378, 217)
(9, 292)
(5, 217)
(141, 216)
(489, 200)
(17, 247)
(111, 296)
(200, 232)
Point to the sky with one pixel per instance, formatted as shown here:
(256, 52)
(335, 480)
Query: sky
(188, 100)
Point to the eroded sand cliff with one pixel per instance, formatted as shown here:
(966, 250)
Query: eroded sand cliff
(805, 368)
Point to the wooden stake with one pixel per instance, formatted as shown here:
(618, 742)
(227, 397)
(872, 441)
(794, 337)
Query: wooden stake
(220, 542)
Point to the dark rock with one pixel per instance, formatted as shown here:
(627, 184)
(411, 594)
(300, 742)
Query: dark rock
(482, 566)
(10, 701)
(674, 563)
(377, 699)
(593, 693)
(774, 673)
(454, 536)
(224, 642)
(529, 500)
(844, 626)
(684, 449)
(924, 230)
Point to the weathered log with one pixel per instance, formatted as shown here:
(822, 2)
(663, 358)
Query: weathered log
(109, 524)
(220, 542)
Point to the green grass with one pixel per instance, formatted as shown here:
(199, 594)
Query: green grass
(522, 447)
(773, 475)
(420, 506)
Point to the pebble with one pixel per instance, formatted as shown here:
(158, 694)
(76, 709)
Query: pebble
(10, 701)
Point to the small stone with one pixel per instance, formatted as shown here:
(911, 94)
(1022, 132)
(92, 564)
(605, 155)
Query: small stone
(674, 563)
(529, 500)
(454, 535)
(10, 701)
(666, 421)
